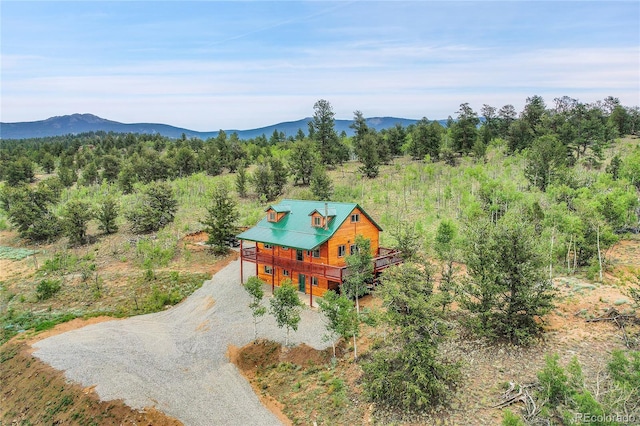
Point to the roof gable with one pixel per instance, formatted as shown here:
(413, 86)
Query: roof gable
(279, 208)
(295, 229)
(331, 212)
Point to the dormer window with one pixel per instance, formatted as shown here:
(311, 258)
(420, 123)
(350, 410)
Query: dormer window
(321, 218)
(277, 213)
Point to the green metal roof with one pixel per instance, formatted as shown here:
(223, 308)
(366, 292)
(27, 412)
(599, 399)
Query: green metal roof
(294, 229)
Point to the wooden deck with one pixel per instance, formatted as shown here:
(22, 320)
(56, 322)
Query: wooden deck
(384, 259)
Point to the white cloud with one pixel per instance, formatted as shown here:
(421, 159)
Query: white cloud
(410, 80)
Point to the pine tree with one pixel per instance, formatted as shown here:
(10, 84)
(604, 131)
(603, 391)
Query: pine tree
(29, 210)
(90, 174)
(241, 181)
(545, 158)
(368, 155)
(407, 371)
(302, 160)
(19, 171)
(445, 249)
(509, 287)
(153, 209)
(220, 222)
(407, 241)
(67, 176)
(464, 130)
(75, 216)
(263, 181)
(322, 130)
(110, 168)
(126, 178)
(106, 214)
(47, 162)
(321, 185)
(279, 176)
(185, 162)
(426, 139)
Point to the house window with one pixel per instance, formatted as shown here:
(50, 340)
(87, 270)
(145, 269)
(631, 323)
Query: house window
(285, 273)
(355, 217)
(341, 250)
(317, 221)
(352, 249)
(268, 270)
(285, 248)
(272, 217)
(316, 253)
(314, 281)
(268, 246)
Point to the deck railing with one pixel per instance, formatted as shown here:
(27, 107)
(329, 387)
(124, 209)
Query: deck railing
(316, 269)
(385, 258)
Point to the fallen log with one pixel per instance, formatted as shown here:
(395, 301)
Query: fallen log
(509, 398)
(619, 319)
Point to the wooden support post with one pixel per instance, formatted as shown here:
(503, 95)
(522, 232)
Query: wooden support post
(273, 271)
(241, 262)
(311, 281)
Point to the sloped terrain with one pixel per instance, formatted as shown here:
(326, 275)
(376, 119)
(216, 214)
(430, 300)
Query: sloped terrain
(308, 393)
(175, 360)
(35, 393)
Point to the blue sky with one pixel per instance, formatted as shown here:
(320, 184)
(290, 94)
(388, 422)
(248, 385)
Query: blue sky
(209, 65)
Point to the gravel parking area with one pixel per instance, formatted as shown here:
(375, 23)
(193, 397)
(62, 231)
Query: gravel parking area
(175, 360)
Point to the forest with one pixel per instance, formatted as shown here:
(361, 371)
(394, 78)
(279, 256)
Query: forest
(492, 211)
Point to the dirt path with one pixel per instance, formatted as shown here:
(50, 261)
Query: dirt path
(175, 361)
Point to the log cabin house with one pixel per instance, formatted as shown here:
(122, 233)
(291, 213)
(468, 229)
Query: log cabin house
(308, 241)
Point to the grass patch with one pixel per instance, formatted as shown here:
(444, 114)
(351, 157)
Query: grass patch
(580, 287)
(315, 395)
(147, 293)
(68, 262)
(156, 291)
(13, 253)
(50, 323)
(14, 323)
(155, 253)
(8, 353)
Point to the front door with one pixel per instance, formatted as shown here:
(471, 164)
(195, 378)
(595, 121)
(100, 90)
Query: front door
(299, 255)
(301, 283)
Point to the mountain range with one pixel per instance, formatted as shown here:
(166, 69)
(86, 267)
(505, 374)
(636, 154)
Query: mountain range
(81, 123)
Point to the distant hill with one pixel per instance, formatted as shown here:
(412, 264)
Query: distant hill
(81, 123)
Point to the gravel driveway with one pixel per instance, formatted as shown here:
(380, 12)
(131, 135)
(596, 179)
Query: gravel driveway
(175, 360)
